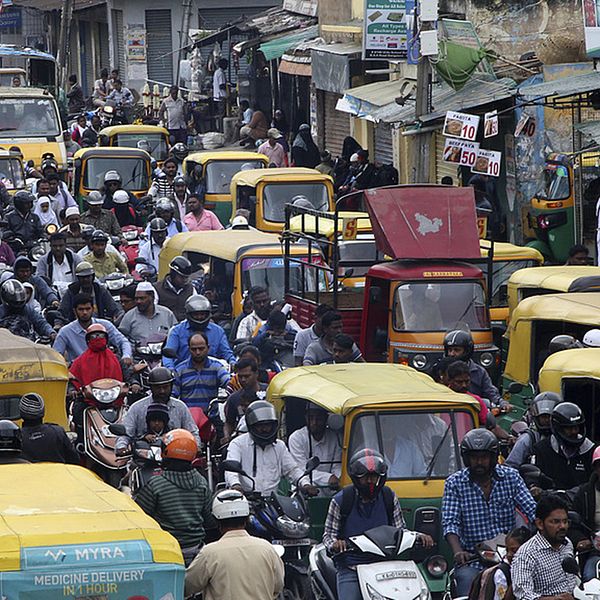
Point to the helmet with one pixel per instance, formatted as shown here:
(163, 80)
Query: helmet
(198, 303)
(112, 176)
(367, 462)
(478, 440)
(165, 204)
(181, 265)
(95, 328)
(157, 224)
(566, 342)
(262, 412)
(179, 180)
(592, 338)
(99, 236)
(48, 163)
(179, 444)
(21, 198)
(567, 414)
(302, 201)
(83, 269)
(144, 145)
(518, 428)
(10, 437)
(179, 151)
(596, 455)
(157, 411)
(95, 197)
(239, 222)
(13, 294)
(230, 504)
(120, 197)
(31, 406)
(160, 375)
(543, 404)
(461, 338)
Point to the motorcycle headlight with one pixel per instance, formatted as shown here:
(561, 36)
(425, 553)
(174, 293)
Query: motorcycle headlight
(155, 348)
(114, 284)
(419, 361)
(106, 396)
(486, 359)
(292, 529)
(130, 235)
(37, 252)
(375, 595)
(437, 566)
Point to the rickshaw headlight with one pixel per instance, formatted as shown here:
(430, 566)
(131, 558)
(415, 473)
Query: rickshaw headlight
(437, 566)
(486, 359)
(419, 361)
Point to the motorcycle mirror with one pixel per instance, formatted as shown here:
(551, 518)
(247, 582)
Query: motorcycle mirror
(335, 422)
(515, 387)
(570, 566)
(312, 463)
(574, 518)
(348, 272)
(117, 429)
(279, 550)
(141, 261)
(233, 466)
(169, 353)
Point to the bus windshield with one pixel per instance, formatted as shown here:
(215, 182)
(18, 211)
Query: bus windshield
(156, 141)
(133, 172)
(28, 117)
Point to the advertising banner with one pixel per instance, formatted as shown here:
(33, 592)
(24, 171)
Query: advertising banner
(387, 29)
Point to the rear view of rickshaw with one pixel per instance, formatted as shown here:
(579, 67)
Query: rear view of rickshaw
(12, 175)
(152, 138)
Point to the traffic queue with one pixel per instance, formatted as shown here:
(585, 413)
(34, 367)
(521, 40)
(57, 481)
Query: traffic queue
(287, 392)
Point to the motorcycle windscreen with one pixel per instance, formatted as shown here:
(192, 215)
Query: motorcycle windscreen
(424, 221)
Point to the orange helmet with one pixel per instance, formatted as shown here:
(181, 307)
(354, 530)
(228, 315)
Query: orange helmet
(180, 444)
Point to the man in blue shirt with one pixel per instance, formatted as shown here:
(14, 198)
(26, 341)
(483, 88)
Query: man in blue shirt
(198, 311)
(198, 379)
(479, 502)
(70, 341)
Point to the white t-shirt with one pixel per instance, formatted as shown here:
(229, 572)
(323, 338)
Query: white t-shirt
(63, 272)
(219, 79)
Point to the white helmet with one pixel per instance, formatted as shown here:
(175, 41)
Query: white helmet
(120, 197)
(592, 338)
(239, 222)
(230, 504)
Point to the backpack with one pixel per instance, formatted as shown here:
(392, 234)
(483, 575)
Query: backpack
(483, 587)
(347, 503)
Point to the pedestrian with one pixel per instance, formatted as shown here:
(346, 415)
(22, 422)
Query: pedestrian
(76, 101)
(238, 565)
(199, 218)
(304, 151)
(256, 129)
(321, 351)
(280, 122)
(272, 149)
(175, 108)
(220, 86)
(536, 569)
(245, 113)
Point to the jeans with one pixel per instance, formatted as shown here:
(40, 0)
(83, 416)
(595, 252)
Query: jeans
(463, 578)
(348, 587)
(589, 569)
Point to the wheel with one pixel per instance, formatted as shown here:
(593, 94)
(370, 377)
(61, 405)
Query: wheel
(297, 587)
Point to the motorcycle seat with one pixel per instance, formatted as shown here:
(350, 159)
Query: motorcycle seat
(327, 569)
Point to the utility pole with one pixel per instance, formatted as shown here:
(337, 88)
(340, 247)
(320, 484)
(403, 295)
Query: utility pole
(183, 35)
(66, 16)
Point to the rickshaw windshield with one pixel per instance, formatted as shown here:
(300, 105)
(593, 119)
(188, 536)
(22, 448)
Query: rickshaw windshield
(277, 195)
(269, 272)
(554, 183)
(28, 117)
(157, 143)
(502, 272)
(351, 252)
(414, 444)
(218, 173)
(422, 306)
(11, 173)
(133, 172)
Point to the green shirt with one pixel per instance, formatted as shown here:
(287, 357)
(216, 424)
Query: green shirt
(109, 263)
(105, 221)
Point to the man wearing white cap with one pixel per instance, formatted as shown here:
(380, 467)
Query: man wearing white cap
(273, 150)
(73, 229)
(148, 317)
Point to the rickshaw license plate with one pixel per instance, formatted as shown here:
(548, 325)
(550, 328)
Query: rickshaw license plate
(395, 575)
(299, 542)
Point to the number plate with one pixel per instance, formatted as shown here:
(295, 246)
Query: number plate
(395, 575)
(299, 542)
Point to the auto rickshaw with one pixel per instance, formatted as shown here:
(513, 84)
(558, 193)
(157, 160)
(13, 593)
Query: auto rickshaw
(28, 367)
(239, 260)
(384, 407)
(537, 281)
(128, 136)
(91, 164)
(265, 192)
(533, 324)
(12, 174)
(66, 534)
(216, 169)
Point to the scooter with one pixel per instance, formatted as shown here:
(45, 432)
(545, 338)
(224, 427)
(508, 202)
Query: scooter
(590, 590)
(115, 282)
(389, 573)
(130, 250)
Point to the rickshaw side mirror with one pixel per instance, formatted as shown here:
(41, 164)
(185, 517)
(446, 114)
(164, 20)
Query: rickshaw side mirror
(515, 387)
(375, 294)
(348, 272)
(335, 422)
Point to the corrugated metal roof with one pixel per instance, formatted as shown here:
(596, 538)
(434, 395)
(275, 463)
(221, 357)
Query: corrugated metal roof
(590, 129)
(347, 48)
(276, 47)
(275, 21)
(566, 86)
(57, 4)
(379, 93)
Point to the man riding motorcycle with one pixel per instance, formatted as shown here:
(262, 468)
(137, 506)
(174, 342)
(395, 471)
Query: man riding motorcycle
(175, 288)
(22, 223)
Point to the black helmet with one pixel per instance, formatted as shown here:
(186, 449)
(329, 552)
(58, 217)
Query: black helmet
(13, 294)
(10, 437)
(179, 151)
(459, 337)
(543, 404)
(563, 342)
(567, 414)
(20, 199)
(99, 236)
(198, 303)
(157, 224)
(478, 440)
(160, 375)
(262, 412)
(181, 265)
(365, 462)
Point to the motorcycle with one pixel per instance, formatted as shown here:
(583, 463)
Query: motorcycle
(590, 590)
(115, 282)
(283, 521)
(130, 250)
(390, 573)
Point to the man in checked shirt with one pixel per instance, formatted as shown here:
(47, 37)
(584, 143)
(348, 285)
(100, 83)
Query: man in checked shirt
(479, 502)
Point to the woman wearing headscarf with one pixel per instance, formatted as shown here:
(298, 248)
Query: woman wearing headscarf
(304, 151)
(43, 209)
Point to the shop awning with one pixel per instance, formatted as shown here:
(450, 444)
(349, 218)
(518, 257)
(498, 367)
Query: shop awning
(564, 87)
(331, 66)
(277, 47)
(292, 67)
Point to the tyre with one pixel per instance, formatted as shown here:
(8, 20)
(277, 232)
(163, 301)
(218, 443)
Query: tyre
(297, 587)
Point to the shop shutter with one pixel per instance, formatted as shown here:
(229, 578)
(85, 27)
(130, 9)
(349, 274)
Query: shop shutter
(117, 25)
(384, 144)
(87, 66)
(443, 169)
(336, 124)
(159, 44)
(104, 54)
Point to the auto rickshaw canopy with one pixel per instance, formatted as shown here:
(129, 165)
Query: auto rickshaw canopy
(576, 363)
(341, 388)
(204, 157)
(111, 151)
(325, 226)
(506, 251)
(51, 504)
(113, 130)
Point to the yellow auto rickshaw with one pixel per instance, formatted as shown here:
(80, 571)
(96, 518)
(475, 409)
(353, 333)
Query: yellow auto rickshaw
(265, 192)
(29, 367)
(214, 171)
(12, 174)
(238, 260)
(91, 164)
(533, 324)
(66, 534)
(129, 136)
(535, 281)
(415, 423)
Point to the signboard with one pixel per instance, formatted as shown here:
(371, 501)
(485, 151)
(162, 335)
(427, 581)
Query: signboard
(387, 28)
(461, 125)
(591, 27)
(490, 124)
(488, 163)
(10, 18)
(301, 7)
(136, 43)
(350, 228)
(460, 152)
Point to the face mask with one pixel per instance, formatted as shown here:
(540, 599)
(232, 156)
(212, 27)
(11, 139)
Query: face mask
(98, 344)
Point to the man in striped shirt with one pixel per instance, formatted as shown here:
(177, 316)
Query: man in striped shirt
(199, 378)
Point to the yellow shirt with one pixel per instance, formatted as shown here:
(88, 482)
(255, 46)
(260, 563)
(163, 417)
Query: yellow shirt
(109, 263)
